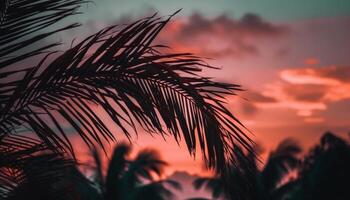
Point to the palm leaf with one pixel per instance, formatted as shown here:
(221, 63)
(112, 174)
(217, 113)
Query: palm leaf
(147, 161)
(120, 71)
(113, 187)
(30, 170)
(280, 162)
(21, 22)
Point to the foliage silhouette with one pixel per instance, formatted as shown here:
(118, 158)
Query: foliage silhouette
(244, 180)
(132, 179)
(46, 175)
(325, 171)
(119, 70)
(30, 170)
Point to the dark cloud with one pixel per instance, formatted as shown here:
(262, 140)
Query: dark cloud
(257, 97)
(335, 72)
(249, 24)
(250, 105)
(306, 92)
(248, 108)
(282, 52)
(254, 23)
(210, 37)
(222, 35)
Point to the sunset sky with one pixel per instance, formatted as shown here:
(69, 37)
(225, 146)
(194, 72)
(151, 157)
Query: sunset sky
(291, 57)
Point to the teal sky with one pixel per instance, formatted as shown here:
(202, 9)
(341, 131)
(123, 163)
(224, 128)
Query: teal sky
(275, 10)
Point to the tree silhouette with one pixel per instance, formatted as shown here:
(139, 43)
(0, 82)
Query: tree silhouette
(42, 174)
(117, 69)
(132, 179)
(30, 170)
(325, 171)
(244, 180)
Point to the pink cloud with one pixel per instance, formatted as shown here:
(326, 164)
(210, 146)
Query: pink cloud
(311, 61)
(309, 89)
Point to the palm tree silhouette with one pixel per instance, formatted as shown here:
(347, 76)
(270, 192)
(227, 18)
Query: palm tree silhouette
(324, 173)
(30, 170)
(48, 175)
(117, 69)
(244, 180)
(132, 179)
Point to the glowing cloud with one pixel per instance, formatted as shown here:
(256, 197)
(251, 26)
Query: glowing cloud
(308, 89)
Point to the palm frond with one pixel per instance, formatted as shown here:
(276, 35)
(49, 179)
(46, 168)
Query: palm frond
(121, 72)
(135, 84)
(286, 190)
(30, 170)
(132, 178)
(117, 166)
(280, 162)
(14, 150)
(202, 182)
(140, 170)
(21, 23)
(324, 172)
(240, 181)
(98, 169)
(147, 161)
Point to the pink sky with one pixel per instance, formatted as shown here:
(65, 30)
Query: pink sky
(296, 76)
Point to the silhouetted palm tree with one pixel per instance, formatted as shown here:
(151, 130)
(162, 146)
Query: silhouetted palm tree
(42, 174)
(30, 170)
(119, 70)
(244, 180)
(132, 179)
(324, 173)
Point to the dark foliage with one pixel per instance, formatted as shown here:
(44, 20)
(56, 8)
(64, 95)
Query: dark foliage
(117, 69)
(21, 22)
(325, 171)
(30, 170)
(132, 179)
(244, 180)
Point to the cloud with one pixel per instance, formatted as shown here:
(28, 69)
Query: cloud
(330, 83)
(309, 89)
(188, 191)
(305, 92)
(311, 61)
(249, 24)
(248, 108)
(312, 120)
(248, 105)
(220, 36)
(257, 97)
(331, 75)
